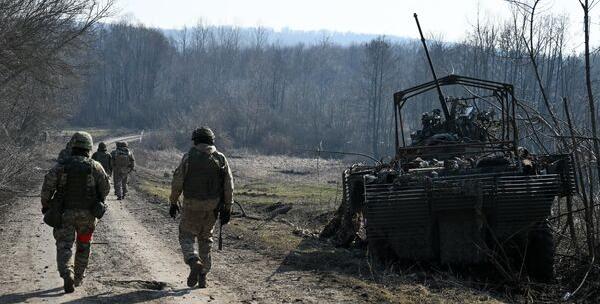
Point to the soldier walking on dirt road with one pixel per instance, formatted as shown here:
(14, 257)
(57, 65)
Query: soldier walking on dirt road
(205, 179)
(72, 198)
(122, 164)
(104, 158)
(64, 154)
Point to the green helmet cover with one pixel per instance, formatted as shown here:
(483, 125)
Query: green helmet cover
(203, 132)
(82, 140)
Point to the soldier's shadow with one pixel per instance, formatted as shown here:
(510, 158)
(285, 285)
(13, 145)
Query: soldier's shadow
(23, 297)
(136, 296)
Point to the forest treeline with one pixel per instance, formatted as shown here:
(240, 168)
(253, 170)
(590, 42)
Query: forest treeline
(260, 94)
(41, 45)
(60, 64)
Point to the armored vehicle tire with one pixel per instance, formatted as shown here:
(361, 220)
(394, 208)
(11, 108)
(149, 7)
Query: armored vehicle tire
(540, 253)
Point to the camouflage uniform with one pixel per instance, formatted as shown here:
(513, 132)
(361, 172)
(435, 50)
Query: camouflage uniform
(104, 158)
(123, 163)
(80, 189)
(198, 215)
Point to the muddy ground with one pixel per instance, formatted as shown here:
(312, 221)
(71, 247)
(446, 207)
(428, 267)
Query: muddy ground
(267, 257)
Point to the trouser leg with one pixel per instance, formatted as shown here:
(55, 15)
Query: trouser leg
(82, 255)
(118, 183)
(124, 183)
(64, 236)
(187, 241)
(204, 248)
(205, 240)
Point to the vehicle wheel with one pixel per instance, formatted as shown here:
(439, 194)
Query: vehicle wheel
(540, 253)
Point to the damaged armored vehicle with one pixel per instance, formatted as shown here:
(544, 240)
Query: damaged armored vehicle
(461, 189)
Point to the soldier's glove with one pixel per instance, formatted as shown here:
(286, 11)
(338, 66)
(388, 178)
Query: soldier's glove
(45, 209)
(225, 216)
(174, 210)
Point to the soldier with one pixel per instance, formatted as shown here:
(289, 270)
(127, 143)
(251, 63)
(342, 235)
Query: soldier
(103, 158)
(80, 183)
(205, 179)
(122, 164)
(64, 153)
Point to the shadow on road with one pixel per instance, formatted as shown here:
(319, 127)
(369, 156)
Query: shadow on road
(22, 297)
(315, 255)
(137, 296)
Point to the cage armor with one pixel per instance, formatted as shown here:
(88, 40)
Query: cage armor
(204, 176)
(78, 186)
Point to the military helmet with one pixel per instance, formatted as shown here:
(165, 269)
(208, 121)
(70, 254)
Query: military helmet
(82, 140)
(101, 146)
(121, 144)
(203, 132)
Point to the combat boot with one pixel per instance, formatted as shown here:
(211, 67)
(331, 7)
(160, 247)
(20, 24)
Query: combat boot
(69, 283)
(195, 269)
(78, 279)
(202, 280)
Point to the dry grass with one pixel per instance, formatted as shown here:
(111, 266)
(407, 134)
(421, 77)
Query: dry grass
(314, 195)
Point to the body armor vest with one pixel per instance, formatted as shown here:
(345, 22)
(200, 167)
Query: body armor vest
(121, 158)
(79, 191)
(103, 158)
(204, 176)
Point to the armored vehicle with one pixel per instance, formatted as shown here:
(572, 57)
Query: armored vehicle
(463, 190)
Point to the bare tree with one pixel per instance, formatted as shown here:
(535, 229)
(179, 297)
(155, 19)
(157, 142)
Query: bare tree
(40, 42)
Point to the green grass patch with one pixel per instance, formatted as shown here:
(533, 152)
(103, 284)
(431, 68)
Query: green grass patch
(95, 132)
(160, 190)
(263, 193)
(268, 235)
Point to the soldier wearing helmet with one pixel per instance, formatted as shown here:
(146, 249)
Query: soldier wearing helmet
(74, 189)
(204, 178)
(104, 158)
(122, 164)
(64, 153)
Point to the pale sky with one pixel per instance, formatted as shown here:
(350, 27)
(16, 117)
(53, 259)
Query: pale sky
(448, 18)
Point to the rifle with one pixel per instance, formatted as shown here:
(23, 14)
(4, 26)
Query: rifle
(220, 235)
(220, 207)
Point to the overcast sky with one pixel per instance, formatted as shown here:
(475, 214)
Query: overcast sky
(448, 18)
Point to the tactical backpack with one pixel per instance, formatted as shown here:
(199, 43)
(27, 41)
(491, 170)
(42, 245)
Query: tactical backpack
(121, 158)
(204, 177)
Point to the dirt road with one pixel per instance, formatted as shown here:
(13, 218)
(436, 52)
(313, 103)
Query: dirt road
(129, 264)
(136, 259)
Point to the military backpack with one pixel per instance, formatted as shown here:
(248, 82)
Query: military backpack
(121, 158)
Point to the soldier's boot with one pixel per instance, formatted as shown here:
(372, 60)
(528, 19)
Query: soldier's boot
(78, 279)
(195, 269)
(202, 280)
(69, 282)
